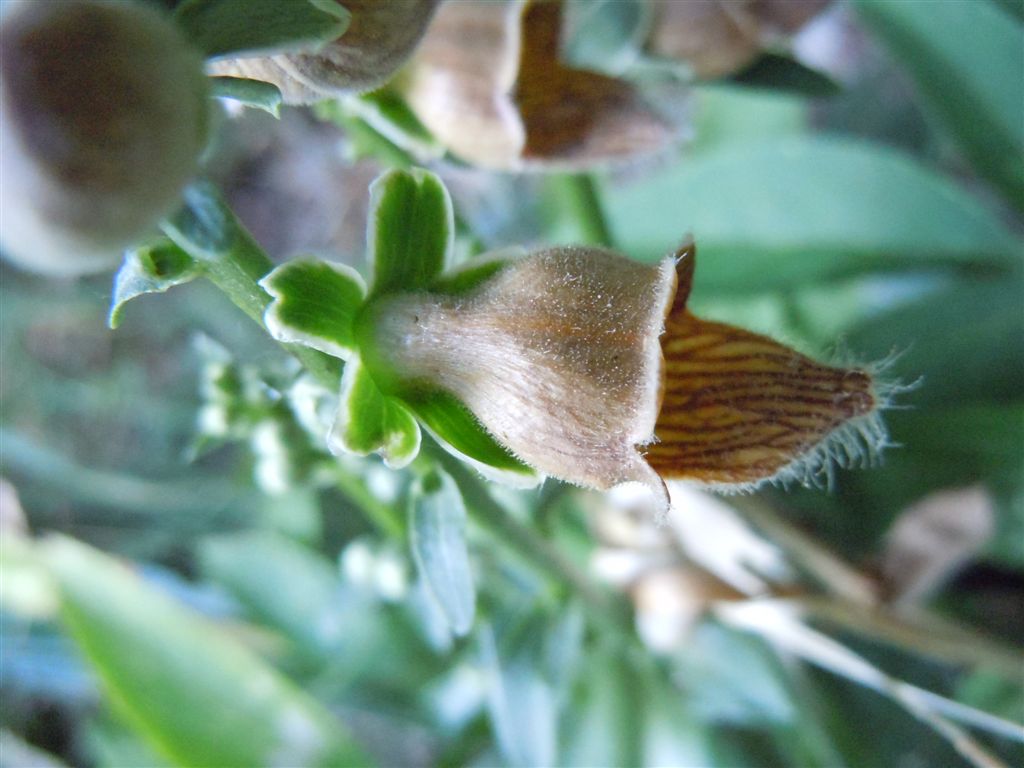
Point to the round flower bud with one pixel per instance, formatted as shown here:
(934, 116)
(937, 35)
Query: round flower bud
(104, 114)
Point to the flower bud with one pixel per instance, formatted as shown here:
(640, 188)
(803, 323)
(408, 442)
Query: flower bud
(566, 358)
(557, 356)
(380, 37)
(488, 83)
(720, 37)
(104, 114)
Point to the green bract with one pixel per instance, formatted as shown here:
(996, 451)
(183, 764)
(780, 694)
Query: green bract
(223, 27)
(325, 306)
(151, 268)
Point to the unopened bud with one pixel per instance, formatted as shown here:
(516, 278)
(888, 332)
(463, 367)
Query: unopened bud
(104, 115)
(380, 37)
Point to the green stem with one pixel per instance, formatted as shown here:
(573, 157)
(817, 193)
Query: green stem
(208, 231)
(578, 195)
(199, 501)
(537, 551)
(384, 517)
(631, 683)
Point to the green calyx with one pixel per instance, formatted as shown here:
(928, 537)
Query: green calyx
(330, 308)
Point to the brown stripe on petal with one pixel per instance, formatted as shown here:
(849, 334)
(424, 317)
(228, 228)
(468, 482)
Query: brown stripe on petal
(739, 408)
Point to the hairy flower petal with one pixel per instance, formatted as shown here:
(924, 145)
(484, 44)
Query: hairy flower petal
(740, 408)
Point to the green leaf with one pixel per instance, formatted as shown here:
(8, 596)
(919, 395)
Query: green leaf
(458, 431)
(281, 582)
(966, 61)
(725, 113)
(222, 27)
(776, 72)
(410, 231)
(315, 303)
(196, 694)
(1012, 7)
(249, 93)
(964, 343)
(150, 268)
(778, 213)
(437, 537)
(369, 421)
(521, 703)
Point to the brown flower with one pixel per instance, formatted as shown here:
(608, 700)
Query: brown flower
(589, 368)
(488, 82)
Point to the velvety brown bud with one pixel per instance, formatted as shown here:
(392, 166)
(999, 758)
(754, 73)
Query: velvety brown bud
(720, 37)
(488, 83)
(557, 356)
(380, 37)
(566, 358)
(104, 114)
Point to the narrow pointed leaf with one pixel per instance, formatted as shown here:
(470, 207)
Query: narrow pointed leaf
(410, 231)
(196, 695)
(798, 210)
(964, 343)
(249, 93)
(315, 303)
(966, 61)
(149, 269)
(369, 421)
(438, 540)
(221, 27)
(304, 600)
(522, 704)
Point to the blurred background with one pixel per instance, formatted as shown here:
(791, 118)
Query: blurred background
(856, 207)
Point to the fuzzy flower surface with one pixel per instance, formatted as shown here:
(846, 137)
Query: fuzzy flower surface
(571, 362)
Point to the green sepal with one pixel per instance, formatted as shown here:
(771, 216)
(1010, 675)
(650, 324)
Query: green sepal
(410, 232)
(248, 93)
(459, 433)
(151, 268)
(315, 303)
(368, 421)
(227, 27)
(475, 271)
